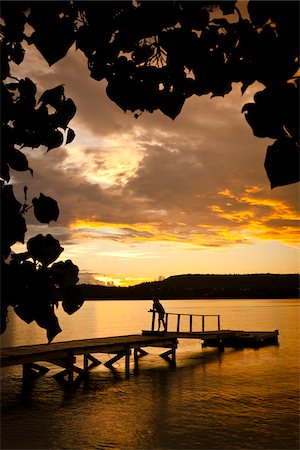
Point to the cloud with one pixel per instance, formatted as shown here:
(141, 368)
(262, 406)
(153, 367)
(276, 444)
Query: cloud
(198, 180)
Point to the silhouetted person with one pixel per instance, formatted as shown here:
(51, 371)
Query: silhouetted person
(158, 307)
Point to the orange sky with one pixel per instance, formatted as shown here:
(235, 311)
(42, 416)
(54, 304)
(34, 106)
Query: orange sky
(149, 197)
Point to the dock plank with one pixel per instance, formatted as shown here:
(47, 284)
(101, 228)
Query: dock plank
(55, 350)
(116, 344)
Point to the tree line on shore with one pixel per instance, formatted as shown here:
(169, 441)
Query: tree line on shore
(202, 286)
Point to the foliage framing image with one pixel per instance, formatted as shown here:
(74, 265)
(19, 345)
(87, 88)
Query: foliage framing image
(154, 56)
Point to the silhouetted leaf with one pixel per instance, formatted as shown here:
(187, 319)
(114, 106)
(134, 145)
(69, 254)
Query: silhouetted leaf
(85, 40)
(193, 16)
(17, 53)
(9, 201)
(275, 110)
(70, 136)
(45, 208)
(223, 23)
(13, 227)
(46, 318)
(53, 97)
(227, 6)
(4, 171)
(8, 109)
(171, 104)
(27, 88)
(65, 274)
(45, 249)
(53, 328)
(14, 18)
(4, 314)
(282, 162)
(142, 53)
(53, 139)
(17, 160)
(66, 112)
(62, 37)
(72, 299)
(261, 121)
(245, 85)
(25, 311)
(5, 69)
(259, 12)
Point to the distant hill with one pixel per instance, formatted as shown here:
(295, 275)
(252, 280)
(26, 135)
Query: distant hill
(203, 286)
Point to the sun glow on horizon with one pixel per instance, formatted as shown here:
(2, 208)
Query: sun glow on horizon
(113, 280)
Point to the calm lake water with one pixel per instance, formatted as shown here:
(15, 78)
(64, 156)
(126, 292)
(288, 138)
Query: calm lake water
(239, 399)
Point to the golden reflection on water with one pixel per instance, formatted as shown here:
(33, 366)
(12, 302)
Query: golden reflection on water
(233, 400)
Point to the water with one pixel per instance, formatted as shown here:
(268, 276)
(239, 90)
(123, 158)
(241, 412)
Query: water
(239, 399)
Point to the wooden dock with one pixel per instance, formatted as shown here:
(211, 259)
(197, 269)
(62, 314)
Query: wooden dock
(226, 338)
(63, 354)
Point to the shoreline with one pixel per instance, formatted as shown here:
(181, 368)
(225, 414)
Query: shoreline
(194, 298)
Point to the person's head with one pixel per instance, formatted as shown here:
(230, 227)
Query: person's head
(155, 300)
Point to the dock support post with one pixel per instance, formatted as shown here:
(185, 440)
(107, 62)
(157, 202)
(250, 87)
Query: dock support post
(118, 356)
(94, 362)
(174, 347)
(136, 360)
(138, 353)
(221, 348)
(172, 352)
(32, 370)
(68, 364)
(220, 345)
(70, 368)
(127, 362)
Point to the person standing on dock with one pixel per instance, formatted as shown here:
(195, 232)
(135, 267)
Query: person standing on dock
(158, 307)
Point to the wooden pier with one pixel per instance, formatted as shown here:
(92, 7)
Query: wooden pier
(63, 354)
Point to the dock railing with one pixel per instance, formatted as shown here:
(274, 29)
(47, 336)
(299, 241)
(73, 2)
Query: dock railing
(191, 321)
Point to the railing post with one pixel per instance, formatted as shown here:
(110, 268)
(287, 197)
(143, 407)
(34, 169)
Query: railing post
(153, 320)
(178, 322)
(192, 325)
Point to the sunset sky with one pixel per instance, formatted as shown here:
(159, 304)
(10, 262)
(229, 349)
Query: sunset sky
(150, 197)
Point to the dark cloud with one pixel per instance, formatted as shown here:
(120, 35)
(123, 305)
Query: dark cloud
(180, 168)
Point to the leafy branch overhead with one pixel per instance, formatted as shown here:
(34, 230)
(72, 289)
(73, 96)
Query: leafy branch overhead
(29, 285)
(154, 56)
